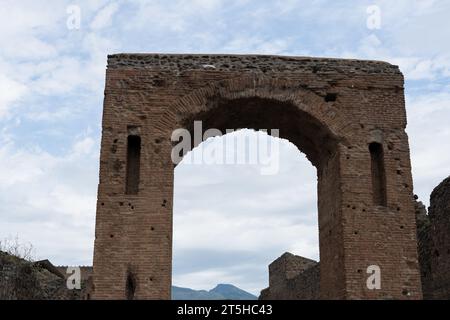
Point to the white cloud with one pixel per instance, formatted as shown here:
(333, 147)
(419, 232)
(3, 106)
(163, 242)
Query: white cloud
(422, 70)
(105, 16)
(84, 146)
(429, 136)
(22, 23)
(41, 55)
(10, 92)
(49, 116)
(253, 44)
(62, 76)
(50, 200)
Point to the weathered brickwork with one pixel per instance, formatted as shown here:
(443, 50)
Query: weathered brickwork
(347, 116)
(424, 248)
(292, 277)
(439, 213)
(434, 244)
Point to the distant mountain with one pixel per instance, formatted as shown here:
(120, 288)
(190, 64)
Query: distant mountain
(228, 291)
(220, 292)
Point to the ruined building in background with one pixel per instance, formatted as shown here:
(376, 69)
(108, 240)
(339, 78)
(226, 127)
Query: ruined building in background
(347, 116)
(292, 277)
(434, 243)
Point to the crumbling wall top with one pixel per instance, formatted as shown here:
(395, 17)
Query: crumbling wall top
(440, 196)
(263, 63)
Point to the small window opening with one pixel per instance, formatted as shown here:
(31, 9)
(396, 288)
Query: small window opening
(378, 174)
(130, 286)
(133, 164)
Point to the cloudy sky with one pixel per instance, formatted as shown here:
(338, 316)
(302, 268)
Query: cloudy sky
(51, 90)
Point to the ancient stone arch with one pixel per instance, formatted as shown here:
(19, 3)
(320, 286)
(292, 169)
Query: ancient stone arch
(347, 116)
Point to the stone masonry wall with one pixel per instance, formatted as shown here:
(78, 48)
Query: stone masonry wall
(424, 248)
(292, 277)
(439, 262)
(433, 234)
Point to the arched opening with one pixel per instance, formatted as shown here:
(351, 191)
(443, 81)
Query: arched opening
(231, 220)
(196, 225)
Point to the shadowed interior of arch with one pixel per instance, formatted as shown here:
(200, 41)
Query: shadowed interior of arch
(305, 131)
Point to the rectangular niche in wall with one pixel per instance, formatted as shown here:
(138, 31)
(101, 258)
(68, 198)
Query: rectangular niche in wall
(378, 174)
(133, 164)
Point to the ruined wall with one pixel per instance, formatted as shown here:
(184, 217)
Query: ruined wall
(347, 116)
(439, 262)
(21, 279)
(292, 277)
(424, 249)
(433, 243)
(287, 267)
